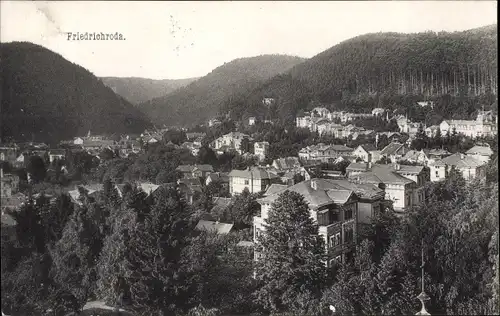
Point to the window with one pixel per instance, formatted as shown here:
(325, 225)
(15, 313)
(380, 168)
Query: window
(348, 236)
(437, 173)
(348, 214)
(247, 182)
(334, 216)
(334, 240)
(324, 217)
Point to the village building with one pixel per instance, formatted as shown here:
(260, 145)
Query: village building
(255, 179)
(251, 121)
(9, 153)
(195, 171)
(214, 122)
(403, 184)
(394, 151)
(484, 125)
(57, 154)
(378, 111)
(192, 136)
(219, 177)
(9, 184)
(324, 153)
(366, 152)
(216, 227)
(417, 156)
(480, 152)
(431, 131)
(230, 141)
(333, 206)
(261, 150)
(469, 166)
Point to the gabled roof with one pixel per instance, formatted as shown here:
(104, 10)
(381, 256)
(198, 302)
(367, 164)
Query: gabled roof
(357, 166)
(220, 228)
(368, 147)
(189, 181)
(414, 155)
(57, 152)
(286, 163)
(460, 160)
(191, 168)
(275, 188)
(480, 150)
(439, 152)
(219, 176)
(256, 173)
(148, 187)
(391, 149)
(316, 192)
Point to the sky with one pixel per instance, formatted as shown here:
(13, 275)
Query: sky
(174, 40)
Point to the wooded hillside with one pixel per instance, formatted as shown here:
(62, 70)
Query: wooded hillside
(201, 100)
(383, 69)
(47, 98)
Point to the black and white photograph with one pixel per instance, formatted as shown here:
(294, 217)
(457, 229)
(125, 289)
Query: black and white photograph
(249, 158)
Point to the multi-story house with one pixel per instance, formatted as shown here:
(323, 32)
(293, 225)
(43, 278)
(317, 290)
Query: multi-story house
(378, 111)
(432, 130)
(484, 125)
(286, 164)
(231, 141)
(261, 149)
(366, 153)
(469, 166)
(255, 179)
(324, 152)
(333, 207)
(394, 151)
(214, 122)
(251, 121)
(403, 185)
(303, 121)
(482, 153)
(415, 156)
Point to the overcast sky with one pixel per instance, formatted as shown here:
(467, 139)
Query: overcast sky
(172, 40)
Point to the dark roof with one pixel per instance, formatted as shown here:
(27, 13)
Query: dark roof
(219, 176)
(275, 188)
(220, 228)
(357, 166)
(317, 192)
(391, 149)
(287, 163)
(189, 181)
(191, 168)
(253, 173)
(57, 152)
(480, 150)
(368, 147)
(460, 161)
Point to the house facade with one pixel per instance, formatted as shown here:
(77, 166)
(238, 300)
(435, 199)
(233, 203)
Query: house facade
(484, 125)
(231, 141)
(332, 207)
(324, 153)
(403, 185)
(365, 152)
(469, 166)
(255, 179)
(261, 150)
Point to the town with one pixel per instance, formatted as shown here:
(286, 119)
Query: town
(253, 159)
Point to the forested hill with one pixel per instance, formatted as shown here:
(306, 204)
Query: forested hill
(374, 69)
(202, 99)
(48, 98)
(138, 90)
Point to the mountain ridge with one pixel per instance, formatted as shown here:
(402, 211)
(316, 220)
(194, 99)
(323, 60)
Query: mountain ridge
(201, 99)
(138, 89)
(48, 98)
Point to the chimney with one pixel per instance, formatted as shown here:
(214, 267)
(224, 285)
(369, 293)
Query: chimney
(462, 156)
(370, 165)
(397, 166)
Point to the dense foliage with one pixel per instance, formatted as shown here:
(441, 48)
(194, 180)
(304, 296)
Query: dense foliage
(46, 97)
(200, 100)
(456, 70)
(138, 90)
